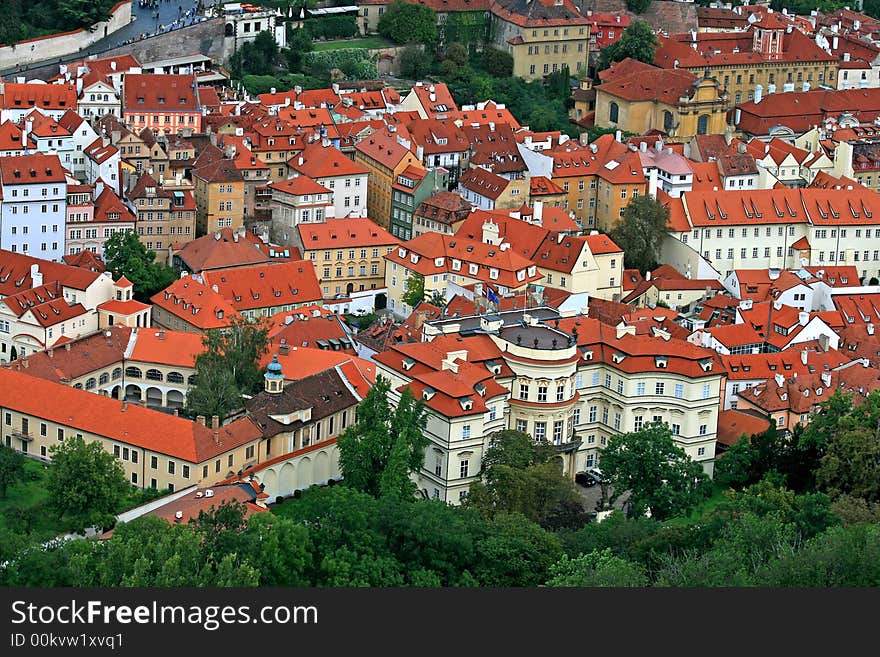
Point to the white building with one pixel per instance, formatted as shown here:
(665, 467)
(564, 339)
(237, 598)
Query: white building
(34, 205)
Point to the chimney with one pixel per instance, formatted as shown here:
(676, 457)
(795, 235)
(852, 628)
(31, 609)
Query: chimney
(66, 346)
(826, 379)
(834, 42)
(643, 147)
(653, 184)
(50, 352)
(824, 342)
(36, 276)
(618, 136)
(868, 327)
(538, 212)
(124, 405)
(780, 380)
(803, 318)
(759, 91)
(161, 334)
(216, 437)
(215, 421)
(200, 419)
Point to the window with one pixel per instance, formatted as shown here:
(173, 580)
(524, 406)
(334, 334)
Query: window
(463, 468)
(576, 416)
(523, 391)
(542, 393)
(707, 390)
(465, 431)
(608, 381)
(640, 389)
(637, 423)
(703, 429)
(676, 429)
(659, 388)
(558, 430)
(701, 451)
(560, 392)
(620, 386)
(593, 410)
(170, 467)
(154, 462)
(540, 431)
(522, 425)
(613, 112)
(679, 390)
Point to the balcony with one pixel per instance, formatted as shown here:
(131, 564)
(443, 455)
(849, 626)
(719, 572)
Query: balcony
(18, 434)
(572, 445)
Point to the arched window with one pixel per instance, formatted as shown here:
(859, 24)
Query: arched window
(613, 111)
(703, 124)
(117, 373)
(174, 377)
(91, 383)
(78, 386)
(104, 378)
(133, 372)
(668, 121)
(154, 375)
(191, 379)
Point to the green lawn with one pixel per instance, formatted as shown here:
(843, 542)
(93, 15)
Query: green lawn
(718, 496)
(30, 498)
(369, 43)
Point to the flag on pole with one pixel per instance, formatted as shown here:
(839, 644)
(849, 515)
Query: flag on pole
(490, 295)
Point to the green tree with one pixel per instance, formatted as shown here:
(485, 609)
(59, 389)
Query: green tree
(515, 552)
(641, 231)
(497, 63)
(299, 42)
(228, 367)
(596, 569)
(86, 484)
(523, 476)
(415, 62)
(415, 290)
(658, 474)
(638, 6)
(11, 468)
(752, 458)
(409, 23)
(851, 463)
(257, 57)
(379, 451)
(125, 255)
(637, 42)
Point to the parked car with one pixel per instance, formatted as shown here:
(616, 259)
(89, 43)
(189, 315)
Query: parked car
(589, 477)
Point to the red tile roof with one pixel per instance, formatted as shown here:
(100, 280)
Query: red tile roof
(165, 93)
(164, 347)
(734, 424)
(318, 161)
(483, 182)
(266, 285)
(31, 169)
(48, 97)
(651, 84)
(15, 273)
(131, 424)
(300, 186)
(351, 232)
(222, 249)
(438, 136)
(195, 303)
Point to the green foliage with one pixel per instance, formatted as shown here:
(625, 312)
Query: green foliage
(299, 42)
(355, 63)
(25, 19)
(638, 6)
(596, 569)
(415, 62)
(378, 452)
(409, 23)
(11, 468)
(228, 367)
(856, 511)
(641, 231)
(497, 63)
(515, 552)
(125, 255)
(332, 27)
(637, 42)
(469, 29)
(86, 484)
(522, 476)
(262, 84)
(415, 290)
(752, 458)
(257, 57)
(658, 474)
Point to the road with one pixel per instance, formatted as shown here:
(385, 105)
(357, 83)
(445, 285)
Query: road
(592, 494)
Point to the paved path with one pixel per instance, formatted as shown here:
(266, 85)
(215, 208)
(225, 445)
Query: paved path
(147, 21)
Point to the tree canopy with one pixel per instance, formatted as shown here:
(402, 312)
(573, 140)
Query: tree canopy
(415, 290)
(379, 451)
(228, 367)
(403, 23)
(86, 483)
(659, 475)
(641, 231)
(125, 255)
(11, 468)
(637, 42)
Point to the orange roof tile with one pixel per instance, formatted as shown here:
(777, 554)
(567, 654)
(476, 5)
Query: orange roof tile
(350, 232)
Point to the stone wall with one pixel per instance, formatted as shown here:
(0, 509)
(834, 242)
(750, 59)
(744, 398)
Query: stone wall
(205, 38)
(54, 46)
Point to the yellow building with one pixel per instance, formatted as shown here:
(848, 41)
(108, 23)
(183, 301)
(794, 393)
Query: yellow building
(165, 214)
(156, 450)
(770, 56)
(543, 36)
(385, 157)
(598, 179)
(638, 98)
(219, 195)
(348, 254)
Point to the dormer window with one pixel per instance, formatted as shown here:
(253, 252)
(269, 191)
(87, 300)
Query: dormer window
(427, 393)
(532, 270)
(473, 269)
(408, 363)
(456, 265)
(401, 253)
(660, 362)
(438, 262)
(414, 258)
(617, 357)
(466, 403)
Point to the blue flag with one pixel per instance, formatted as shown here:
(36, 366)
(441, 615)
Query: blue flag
(490, 295)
